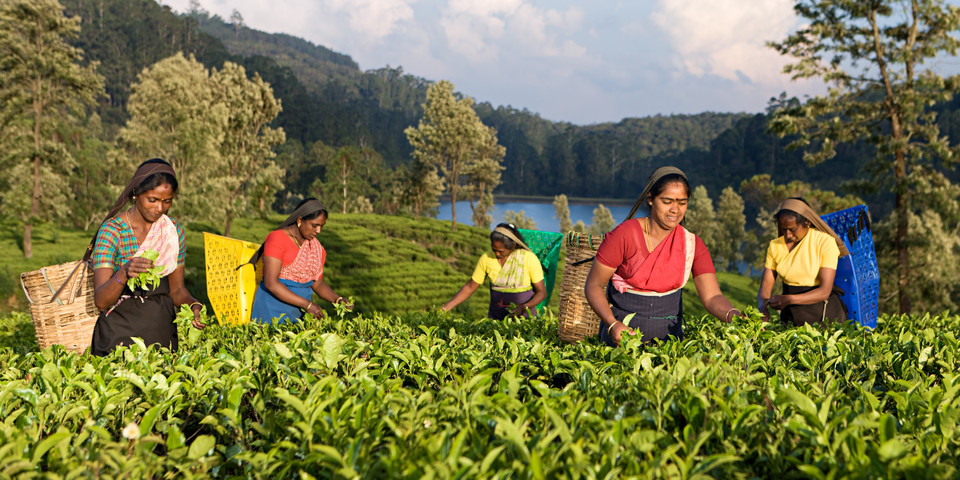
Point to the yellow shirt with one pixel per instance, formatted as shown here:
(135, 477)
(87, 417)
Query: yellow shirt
(489, 266)
(801, 266)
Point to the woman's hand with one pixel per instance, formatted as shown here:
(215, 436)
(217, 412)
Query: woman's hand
(778, 302)
(199, 325)
(137, 265)
(313, 309)
(617, 331)
(348, 303)
(520, 310)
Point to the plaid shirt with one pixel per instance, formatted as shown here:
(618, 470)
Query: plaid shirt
(116, 244)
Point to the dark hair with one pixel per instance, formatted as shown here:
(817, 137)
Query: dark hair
(800, 219)
(312, 215)
(665, 180)
(155, 180)
(507, 242)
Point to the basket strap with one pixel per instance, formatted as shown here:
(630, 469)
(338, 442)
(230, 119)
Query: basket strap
(65, 282)
(581, 262)
(76, 281)
(24, 287)
(43, 272)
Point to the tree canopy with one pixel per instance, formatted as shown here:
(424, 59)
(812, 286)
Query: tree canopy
(43, 85)
(876, 59)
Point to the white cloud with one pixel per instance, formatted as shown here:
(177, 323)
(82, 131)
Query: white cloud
(727, 38)
(486, 8)
(483, 30)
(373, 19)
(468, 37)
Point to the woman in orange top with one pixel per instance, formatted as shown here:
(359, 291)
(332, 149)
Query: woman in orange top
(293, 262)
(805, 257)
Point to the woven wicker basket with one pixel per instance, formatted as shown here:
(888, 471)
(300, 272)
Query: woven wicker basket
(577, 318)
(68, 320)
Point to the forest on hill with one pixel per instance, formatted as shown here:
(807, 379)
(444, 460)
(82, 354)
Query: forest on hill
(326, 98)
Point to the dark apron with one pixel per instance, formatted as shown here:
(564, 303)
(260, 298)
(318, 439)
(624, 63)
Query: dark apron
(830, 309)
(653, 317)
(149, 315)
(500, 303)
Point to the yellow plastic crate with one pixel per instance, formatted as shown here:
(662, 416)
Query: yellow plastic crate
(230, 290)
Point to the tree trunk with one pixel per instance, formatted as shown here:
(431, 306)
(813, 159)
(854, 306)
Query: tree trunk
(343, 181)
(453, 205)
(228, 224)
(903, 255)
(34, 210)
(27, 243)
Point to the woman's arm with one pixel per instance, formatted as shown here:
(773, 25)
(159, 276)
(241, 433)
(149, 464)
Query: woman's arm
(766, 288)
(594, 290)
(539, 294)
(713, 300)
(271, 281)
(325, 291)
(180, 296)
(109, 283)
(461, 296)
(819, 294)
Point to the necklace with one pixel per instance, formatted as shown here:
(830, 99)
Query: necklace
(651, 242)
(127, 213)
(294, 238)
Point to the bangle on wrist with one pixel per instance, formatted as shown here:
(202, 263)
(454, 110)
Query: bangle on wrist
(726, 315)
(609, 328)
(196, 303)
(117, 279)
(338, 299)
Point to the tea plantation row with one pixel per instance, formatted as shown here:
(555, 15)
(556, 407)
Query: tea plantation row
(436, 395)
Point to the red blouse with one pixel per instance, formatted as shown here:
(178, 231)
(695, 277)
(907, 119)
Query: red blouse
(309, 267)
(625, 249)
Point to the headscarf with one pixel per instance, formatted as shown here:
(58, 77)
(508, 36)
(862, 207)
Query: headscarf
(144, 171)
(308, 208)
(800, 207)
(654, 177)
(507, 233)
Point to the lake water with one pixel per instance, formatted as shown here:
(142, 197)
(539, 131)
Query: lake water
(541, 213)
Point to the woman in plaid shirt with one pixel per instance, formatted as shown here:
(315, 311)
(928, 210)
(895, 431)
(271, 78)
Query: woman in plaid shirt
(144, 311)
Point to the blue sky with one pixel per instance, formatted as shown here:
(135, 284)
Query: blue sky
(578, 61)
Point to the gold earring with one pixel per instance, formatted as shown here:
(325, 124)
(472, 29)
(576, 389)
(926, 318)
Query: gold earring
(298, 223)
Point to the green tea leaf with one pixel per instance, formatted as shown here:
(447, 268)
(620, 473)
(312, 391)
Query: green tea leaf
(201, 446)
(150, 279)
(47, 443)
(891, 450)
(331, 349)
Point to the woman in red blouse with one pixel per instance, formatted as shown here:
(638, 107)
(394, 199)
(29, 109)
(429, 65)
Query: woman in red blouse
(636, 282)
(293, 262)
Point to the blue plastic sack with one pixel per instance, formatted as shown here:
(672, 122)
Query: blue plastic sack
(857, 273)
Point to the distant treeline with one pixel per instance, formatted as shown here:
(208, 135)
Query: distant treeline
(327, 98)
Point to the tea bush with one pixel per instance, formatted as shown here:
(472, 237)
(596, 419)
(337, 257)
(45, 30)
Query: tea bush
(431, 394)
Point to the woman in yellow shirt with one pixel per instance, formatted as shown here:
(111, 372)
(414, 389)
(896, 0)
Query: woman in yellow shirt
(515, 273)
(805, 257)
